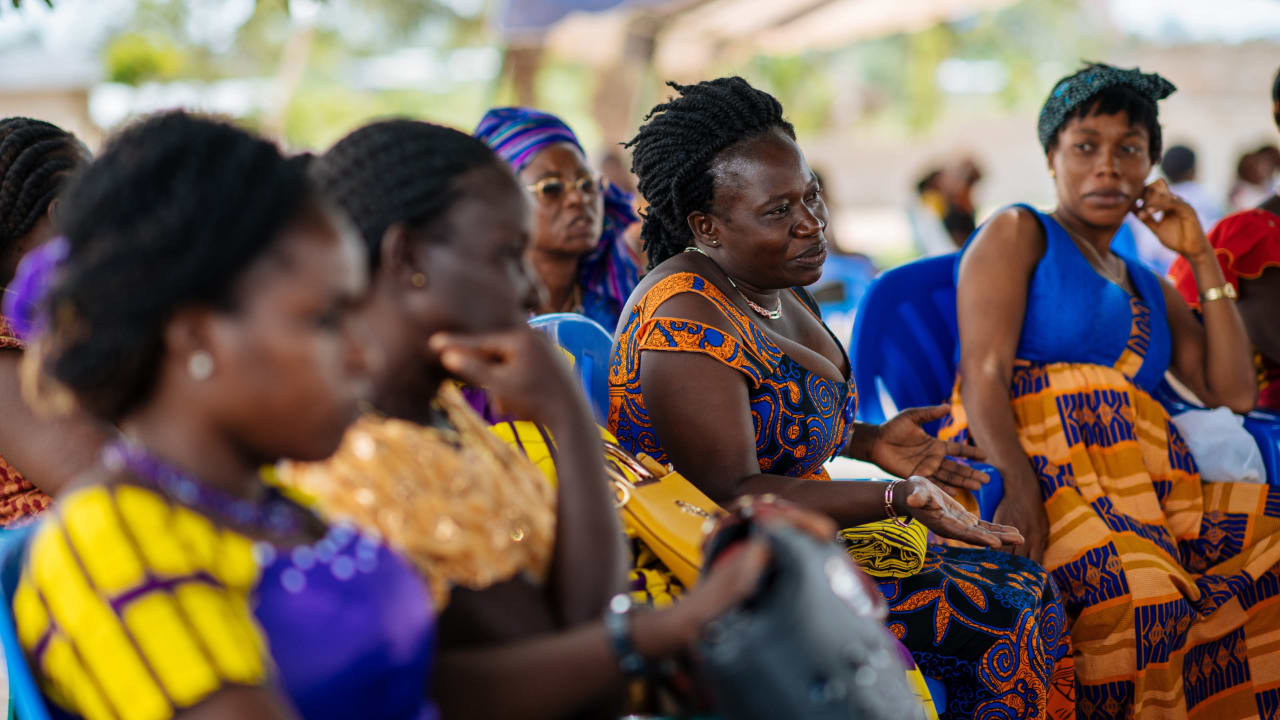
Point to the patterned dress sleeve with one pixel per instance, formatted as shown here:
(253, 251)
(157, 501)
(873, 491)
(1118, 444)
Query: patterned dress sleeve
(754, 355)
(130, 607)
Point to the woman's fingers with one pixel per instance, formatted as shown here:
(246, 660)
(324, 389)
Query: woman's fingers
(923, 415)
(964, 450)
(468, 365)
(1008, 534)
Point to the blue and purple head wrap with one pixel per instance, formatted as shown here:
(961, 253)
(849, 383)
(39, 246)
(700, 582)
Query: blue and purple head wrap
(607, 274)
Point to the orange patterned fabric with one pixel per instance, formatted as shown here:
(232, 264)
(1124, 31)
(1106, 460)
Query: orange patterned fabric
(1171, 585)
(19, 499)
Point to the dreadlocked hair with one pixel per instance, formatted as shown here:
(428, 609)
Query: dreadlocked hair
(36, 159)
(171, 215)
(398, 171)
(672, 154)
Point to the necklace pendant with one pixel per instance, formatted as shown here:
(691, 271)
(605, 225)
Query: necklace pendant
(766, 312)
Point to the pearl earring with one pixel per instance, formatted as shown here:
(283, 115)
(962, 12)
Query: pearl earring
(200, 365)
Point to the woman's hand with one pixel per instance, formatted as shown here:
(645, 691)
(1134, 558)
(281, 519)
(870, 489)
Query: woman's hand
(1178, 227)
(903, 448)
(736, 573)
(524, 373)
(1023, 509)
(947, 518)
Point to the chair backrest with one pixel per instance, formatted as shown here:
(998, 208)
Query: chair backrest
(24, 694)
(904, 339)
(589, 344)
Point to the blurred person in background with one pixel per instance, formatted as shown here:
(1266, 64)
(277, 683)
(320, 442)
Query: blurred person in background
(40, 454)
(1247, 245)
(928, 207)
(1255, 178)
(1062, 343)
(578, 250)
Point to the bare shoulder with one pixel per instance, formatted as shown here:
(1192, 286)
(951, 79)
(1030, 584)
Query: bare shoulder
(1011, 241)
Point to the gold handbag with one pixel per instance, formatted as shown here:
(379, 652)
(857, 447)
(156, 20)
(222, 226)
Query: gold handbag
(663, 509)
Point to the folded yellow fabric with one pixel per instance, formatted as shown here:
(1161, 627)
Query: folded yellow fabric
(886, 549)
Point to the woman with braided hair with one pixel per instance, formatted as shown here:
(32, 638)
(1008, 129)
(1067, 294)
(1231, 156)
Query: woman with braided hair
(526, 574)
(203, 298)
(38, 455)
(724, 368)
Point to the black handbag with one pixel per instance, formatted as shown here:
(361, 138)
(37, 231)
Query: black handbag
(809, 643)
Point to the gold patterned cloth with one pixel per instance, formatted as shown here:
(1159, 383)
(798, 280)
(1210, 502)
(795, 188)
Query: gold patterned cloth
(465, 507)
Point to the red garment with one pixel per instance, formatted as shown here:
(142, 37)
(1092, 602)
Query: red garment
(1246, 243)
(19, 499)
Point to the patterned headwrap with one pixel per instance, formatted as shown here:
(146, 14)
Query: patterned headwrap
(1070, 93)
(607, 274)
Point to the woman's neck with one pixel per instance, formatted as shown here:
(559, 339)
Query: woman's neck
(180, 438)
(559, 275)
(1099, 237)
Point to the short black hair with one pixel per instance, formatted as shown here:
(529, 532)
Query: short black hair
(36, 159)
(171, 215)
(1178, 163)
(1140, 109)
(673, 151)
(398, 171)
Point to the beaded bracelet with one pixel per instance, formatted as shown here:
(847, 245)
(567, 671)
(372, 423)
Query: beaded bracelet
(888, 504)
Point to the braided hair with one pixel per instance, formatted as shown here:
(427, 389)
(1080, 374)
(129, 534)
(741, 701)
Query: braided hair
(171, 215)
(673, 151)
(36, 158)
(399, 171)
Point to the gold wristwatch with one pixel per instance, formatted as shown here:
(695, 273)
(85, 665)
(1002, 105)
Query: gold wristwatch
(1217, 293)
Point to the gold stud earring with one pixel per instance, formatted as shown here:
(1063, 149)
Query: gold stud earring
(1053, 173)
(418, 280)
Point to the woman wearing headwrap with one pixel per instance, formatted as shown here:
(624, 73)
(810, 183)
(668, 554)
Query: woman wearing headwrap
(577, 248)
(1171, 586)
(1247, 245)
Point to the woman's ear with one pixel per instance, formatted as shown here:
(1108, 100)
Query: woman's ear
(397, 257)
(704, 228)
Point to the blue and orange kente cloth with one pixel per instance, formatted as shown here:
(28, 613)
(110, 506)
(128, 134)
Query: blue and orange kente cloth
(1171, 585)
(988, 625)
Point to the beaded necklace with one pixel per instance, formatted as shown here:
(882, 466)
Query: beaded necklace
(759, 309)
(274, 513)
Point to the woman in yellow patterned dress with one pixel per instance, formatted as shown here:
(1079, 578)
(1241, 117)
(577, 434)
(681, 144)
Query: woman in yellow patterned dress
(1171, 586)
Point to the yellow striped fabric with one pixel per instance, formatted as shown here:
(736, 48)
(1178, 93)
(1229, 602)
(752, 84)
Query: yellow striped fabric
(885, 549)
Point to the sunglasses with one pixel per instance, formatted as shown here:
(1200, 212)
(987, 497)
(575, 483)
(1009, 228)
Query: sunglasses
(554, 188)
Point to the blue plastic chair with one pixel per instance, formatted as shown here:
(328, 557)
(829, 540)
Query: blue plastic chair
(27, 702)
(903, 350)
(589, 344)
